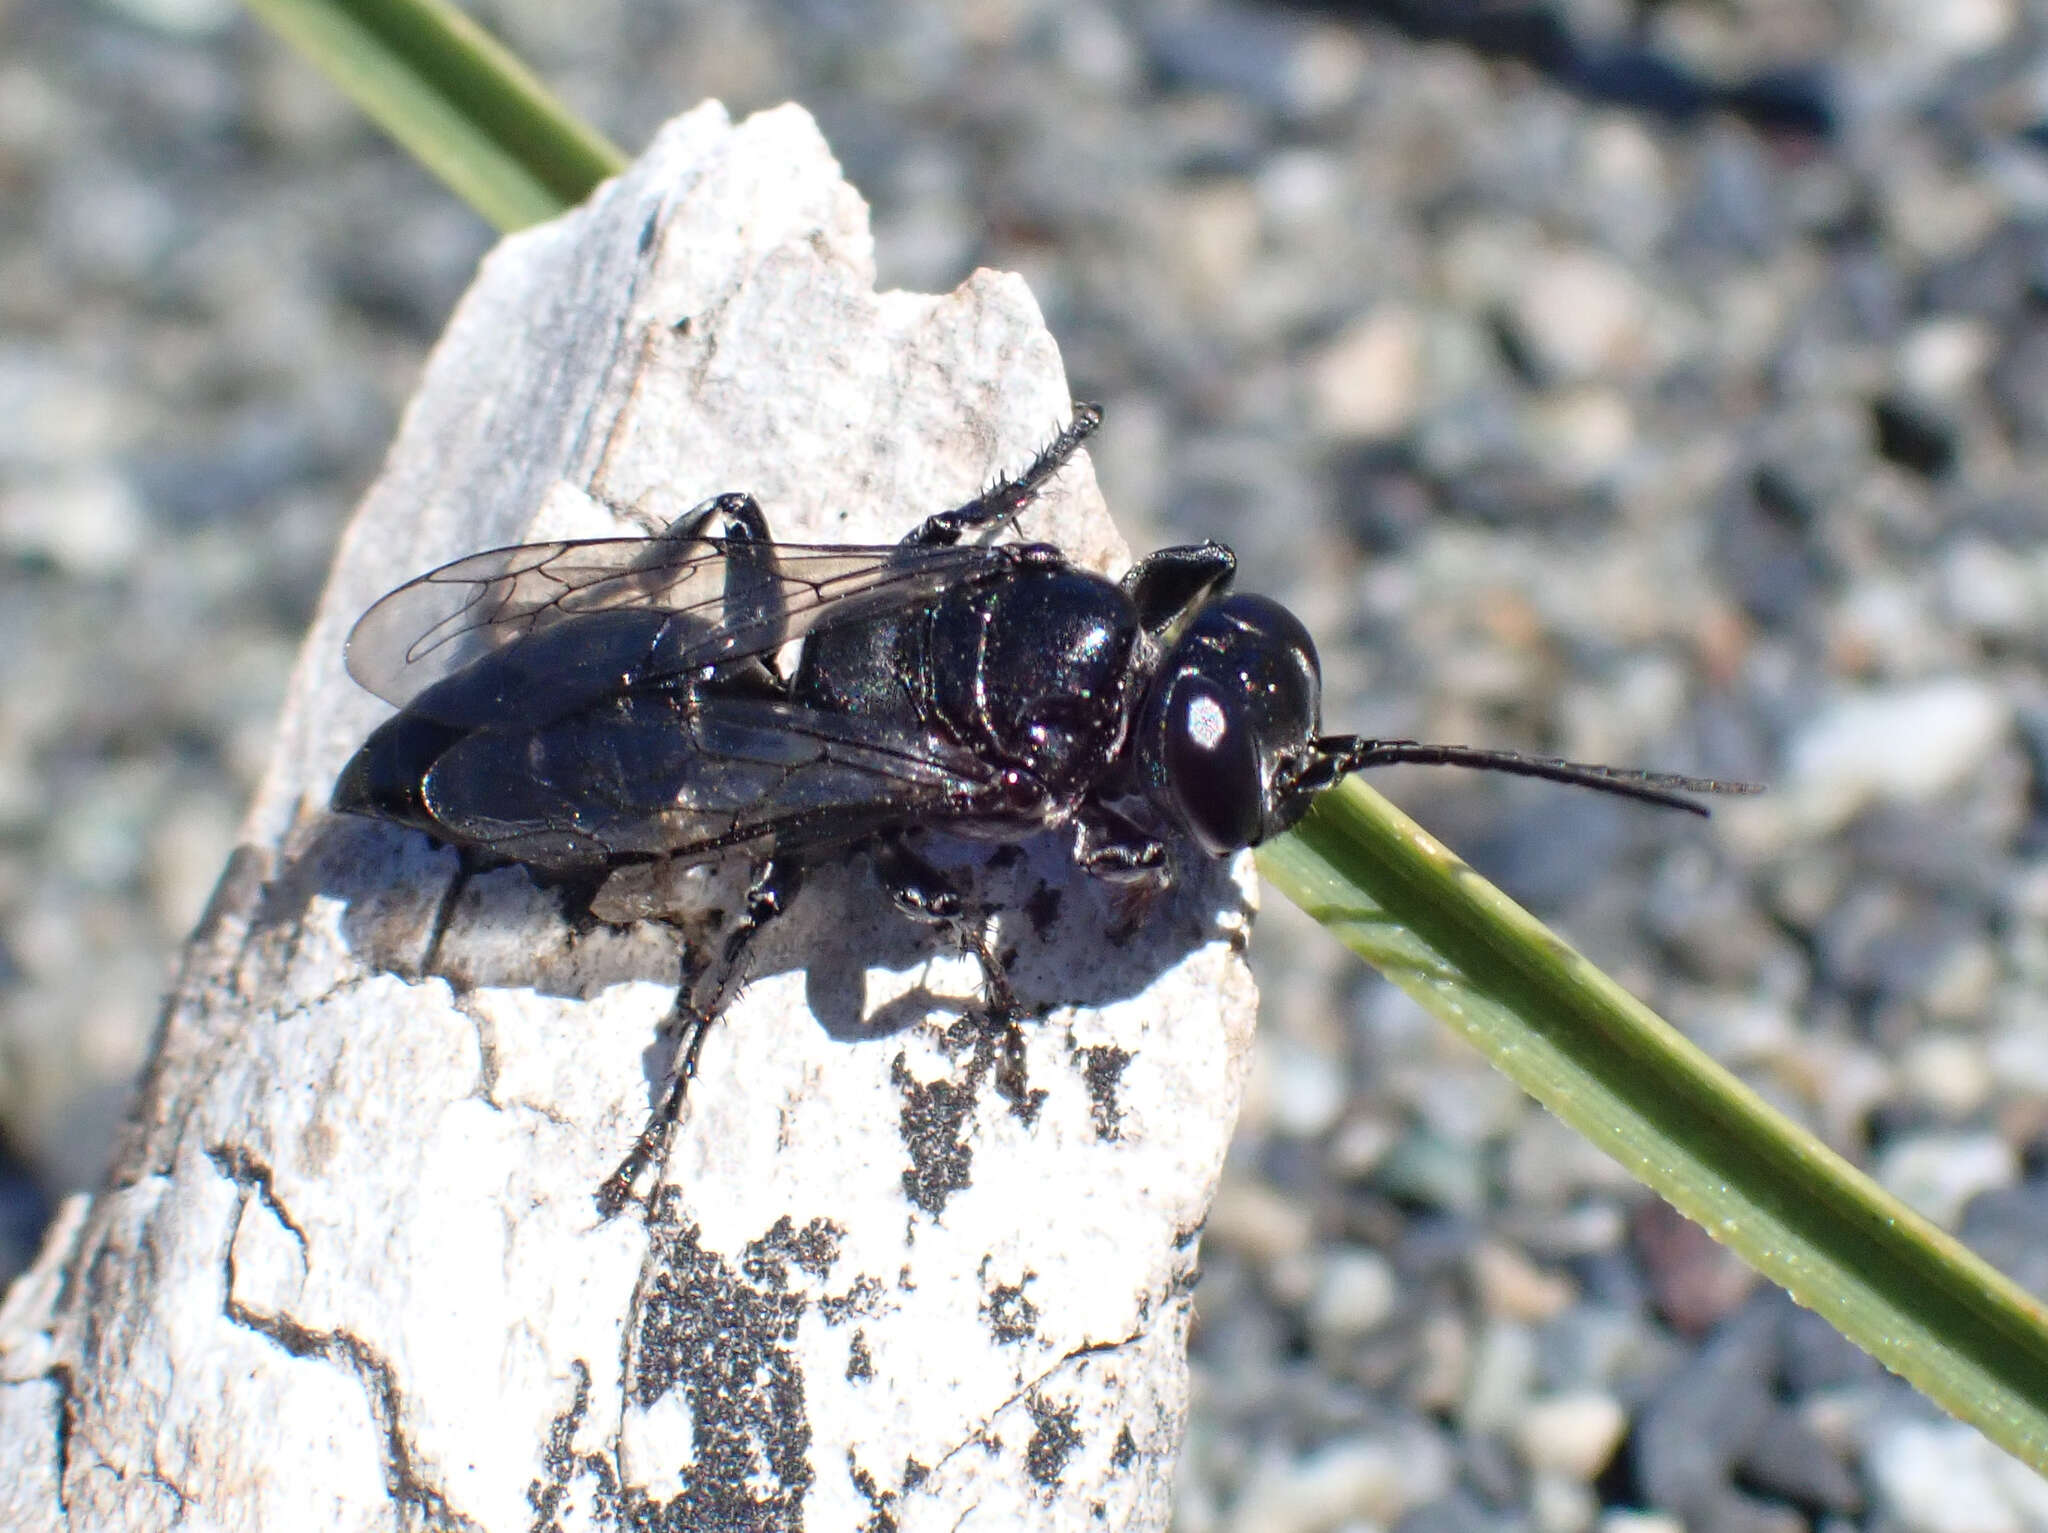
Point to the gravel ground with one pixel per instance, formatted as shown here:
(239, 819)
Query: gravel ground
(1662, 384)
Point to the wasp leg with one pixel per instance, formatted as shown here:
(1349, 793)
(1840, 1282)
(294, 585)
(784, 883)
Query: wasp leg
(925, 894)
(753, 604)
(732, 516)
(993, 507)
(1109, 847)
(774, 886)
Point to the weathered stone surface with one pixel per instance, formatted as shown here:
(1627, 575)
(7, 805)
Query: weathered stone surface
(348, 1262)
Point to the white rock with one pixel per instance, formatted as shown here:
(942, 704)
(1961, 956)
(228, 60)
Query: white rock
(350, 1260)
(2018, 1052)
(1299, 188)
(1949, 1074)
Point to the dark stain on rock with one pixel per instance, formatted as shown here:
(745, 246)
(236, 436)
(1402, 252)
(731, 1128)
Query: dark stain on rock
(941, 1162)
(1053, 1439)
(1010, 1315)
(863, 1298)
(1102, 1068)
(1125, 1452)
(563, 1465)
(935, 1113)
(724, 1336)
(1042, 909)
(860, 1363)
(881, 1516)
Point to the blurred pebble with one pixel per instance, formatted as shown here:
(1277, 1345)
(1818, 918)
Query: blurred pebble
(2017, 1055)
(1549, 1167)
(1944, 34)
(1354, 1292)
(1579, 315)
(1949, 1074)
(1359, 1144)
(1694, 1280)
(182, 18)
(1503, 1373)
(1258, 1221)
(1268, 57)
(86, 522)
(1791, 1461)
(2004, 1227)
(1582, 435)
(1943, 1477)
(1561, 1503)
(1367, 381)
(1939, 358)
(1937, 1174)
(1573, 1435)
(1305, 1087)
(1994, 591)
(1705, 1417)
(1443, 1357)
(1436, 1172)
(52, 413)
(1913, 742)
(1514, 1288)
(188, 846)
(1959, 988)
(1374, 1480)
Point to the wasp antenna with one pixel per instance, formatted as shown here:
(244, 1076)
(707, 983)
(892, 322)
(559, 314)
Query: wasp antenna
(1665, 789)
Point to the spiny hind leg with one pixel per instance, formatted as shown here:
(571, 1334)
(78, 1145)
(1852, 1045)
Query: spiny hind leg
(773, 887)
(1000, 504)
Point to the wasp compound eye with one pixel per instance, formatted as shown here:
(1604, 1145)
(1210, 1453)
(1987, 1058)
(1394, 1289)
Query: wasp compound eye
(1212, 766)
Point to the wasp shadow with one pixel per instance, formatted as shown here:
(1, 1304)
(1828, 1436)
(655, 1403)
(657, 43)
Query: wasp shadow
(411, 908)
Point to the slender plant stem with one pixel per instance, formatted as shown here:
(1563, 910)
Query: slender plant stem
(453, 96)
(1909, 1294)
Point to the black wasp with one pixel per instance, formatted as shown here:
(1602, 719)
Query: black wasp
(577, 707)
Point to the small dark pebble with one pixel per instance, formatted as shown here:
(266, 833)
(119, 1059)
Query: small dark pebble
(1914, 435)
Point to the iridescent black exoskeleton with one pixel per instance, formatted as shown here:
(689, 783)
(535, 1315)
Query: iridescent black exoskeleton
(581, 706)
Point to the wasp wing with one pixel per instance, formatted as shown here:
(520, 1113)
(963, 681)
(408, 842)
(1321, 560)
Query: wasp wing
(641, 776)
(641, 610)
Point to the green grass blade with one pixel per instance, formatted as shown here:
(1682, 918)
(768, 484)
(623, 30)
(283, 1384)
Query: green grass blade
(1909, 1294)
(456, 99)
